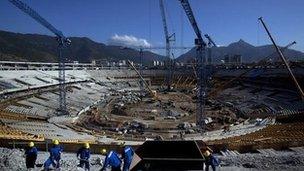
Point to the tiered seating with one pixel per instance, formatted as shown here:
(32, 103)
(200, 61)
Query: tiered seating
(25, 111)
(12, 116)
(79, 97)
(7, 132)
(50, 131)
(15, 80)
(5, 85)
(267, 102)
(272, 135)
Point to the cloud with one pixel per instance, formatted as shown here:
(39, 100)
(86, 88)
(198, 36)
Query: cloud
(128, 41)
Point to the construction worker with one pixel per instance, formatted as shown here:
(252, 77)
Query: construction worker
(83, 155)
(55, 156)
(112, 159)
(210, 159)
(30, 156)
(127, 156)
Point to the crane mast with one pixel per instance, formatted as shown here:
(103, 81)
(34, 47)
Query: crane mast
(62, 42)
(169, 38)
(201, 80)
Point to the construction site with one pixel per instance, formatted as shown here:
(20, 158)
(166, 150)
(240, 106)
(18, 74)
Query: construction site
(250, 115)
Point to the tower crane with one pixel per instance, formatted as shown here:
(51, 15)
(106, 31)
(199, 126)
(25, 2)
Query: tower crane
(210, 45)
(62, 42)
(169, 38)
(200, 47)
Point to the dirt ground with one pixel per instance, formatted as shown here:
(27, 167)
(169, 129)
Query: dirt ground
(162, 116)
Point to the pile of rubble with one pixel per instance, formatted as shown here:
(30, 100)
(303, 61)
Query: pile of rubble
(133, 127)
(129, 97)
(276, 160)
(11, 159)
(188, 128)
(126, 98)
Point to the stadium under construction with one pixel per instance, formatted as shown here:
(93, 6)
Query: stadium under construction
(106, 107)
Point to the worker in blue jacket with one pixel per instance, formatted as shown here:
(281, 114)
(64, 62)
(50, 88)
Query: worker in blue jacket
(211, 160)
(112, 159)
(31, 155)
(127, 156)
(83, 155)
(55, 156)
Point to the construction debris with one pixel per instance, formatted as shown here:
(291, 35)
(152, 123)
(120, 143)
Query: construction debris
(278, 160)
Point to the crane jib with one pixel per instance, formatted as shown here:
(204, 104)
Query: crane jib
(29, 11)
(192, 20)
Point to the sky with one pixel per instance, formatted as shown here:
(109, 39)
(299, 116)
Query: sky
(138, 22)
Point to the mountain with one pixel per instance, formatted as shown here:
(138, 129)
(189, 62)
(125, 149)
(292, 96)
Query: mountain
(249, 52)
(43, 48)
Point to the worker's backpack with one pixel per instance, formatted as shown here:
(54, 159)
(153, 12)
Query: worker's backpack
(215, 161)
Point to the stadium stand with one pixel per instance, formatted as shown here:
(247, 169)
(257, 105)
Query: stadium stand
(274, 136)
(50, 131)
